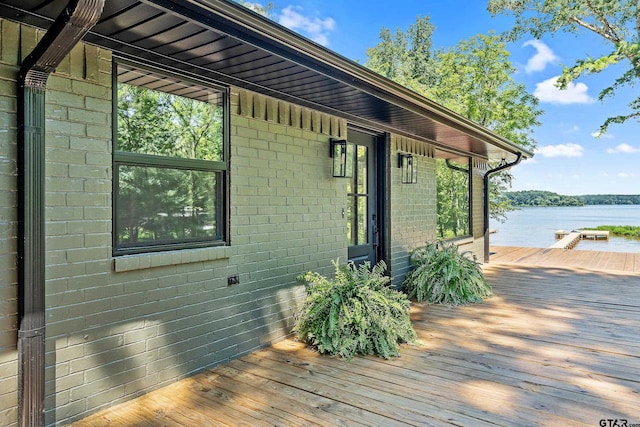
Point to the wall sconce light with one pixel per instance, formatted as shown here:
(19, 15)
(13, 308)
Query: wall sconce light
(343, 155)
(409, 171)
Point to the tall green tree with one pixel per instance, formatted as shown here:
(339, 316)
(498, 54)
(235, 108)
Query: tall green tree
(474, 79)
(405, 57)
(617, 22)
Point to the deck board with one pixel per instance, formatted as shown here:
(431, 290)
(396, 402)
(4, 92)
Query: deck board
(575, 258)
(557, 344)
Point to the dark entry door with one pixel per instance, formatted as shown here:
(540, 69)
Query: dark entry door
(362, 201)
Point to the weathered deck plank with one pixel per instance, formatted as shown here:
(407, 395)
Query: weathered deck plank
(610, 261)
(554, 345)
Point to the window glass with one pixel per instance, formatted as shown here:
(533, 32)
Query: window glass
(163, 205)
(157, 123)
(453, 208)
(357, 200)
(169, 181)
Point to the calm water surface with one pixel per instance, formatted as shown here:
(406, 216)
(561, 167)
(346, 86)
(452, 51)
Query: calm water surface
(535, 227)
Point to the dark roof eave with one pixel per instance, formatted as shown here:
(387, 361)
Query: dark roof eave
(253, 28)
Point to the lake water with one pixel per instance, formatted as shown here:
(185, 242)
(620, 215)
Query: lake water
(535, 226)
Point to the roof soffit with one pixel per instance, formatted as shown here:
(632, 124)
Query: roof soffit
(220, 41)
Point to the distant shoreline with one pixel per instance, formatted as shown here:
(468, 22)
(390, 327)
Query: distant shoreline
(534, 227)
(536, 198)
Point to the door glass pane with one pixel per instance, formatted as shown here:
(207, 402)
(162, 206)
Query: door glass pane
(361, 170)
(352, 226)
(362, 220)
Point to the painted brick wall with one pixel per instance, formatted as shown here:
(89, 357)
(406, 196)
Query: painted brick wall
(117, 328)
(9, 51)
(413, 208)
(78, 231)
(477, 213)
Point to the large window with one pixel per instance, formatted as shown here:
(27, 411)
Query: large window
(169, 163)
(454, 215)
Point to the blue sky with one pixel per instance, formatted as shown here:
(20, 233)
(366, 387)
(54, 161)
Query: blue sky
(569, 158)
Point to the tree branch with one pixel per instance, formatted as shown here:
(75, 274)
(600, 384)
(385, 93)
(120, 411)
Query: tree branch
(605, 21)
(612, 38)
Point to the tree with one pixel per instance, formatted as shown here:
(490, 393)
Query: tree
(264, 10)
(616, 21)
(472, 79)
(452, 201)
(405, 57)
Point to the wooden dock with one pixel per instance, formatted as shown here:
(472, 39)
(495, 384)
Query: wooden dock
(569, 239)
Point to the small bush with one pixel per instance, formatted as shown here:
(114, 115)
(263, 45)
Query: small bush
(444, 275)
(356, 313)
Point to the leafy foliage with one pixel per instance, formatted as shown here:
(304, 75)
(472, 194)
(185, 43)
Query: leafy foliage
(264, 10)
(499, 203)
(548, 198)
(452, 202)
(542, 198)
(357, 313)
(444, 275)
(611, 199)
(615, 22)
(405, 57)
(632, 231)
(474, 79)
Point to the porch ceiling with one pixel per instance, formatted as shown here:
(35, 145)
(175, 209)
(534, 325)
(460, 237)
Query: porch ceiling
(220, 41)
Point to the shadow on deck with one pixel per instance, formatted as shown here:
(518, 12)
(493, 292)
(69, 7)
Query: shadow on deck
(553, 346)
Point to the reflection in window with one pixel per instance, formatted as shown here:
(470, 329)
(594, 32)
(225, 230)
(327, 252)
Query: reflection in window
(453, 199)
(170, 168)
(357, 200)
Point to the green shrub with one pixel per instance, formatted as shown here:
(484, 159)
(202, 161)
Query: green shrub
(619, 230)
(444, 275)
(356, 313)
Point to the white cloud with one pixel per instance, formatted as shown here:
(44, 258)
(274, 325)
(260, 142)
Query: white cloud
(317, 29)
(575, 93)
(561, 150)
(626, 175)
(544, 56)
(623, 148)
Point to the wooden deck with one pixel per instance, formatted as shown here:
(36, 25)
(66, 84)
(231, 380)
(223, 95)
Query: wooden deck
(553, 346)
(608, 261)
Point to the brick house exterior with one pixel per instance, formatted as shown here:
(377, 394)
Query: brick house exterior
(120, 326)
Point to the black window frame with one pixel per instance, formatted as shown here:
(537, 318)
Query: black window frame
(127, 158)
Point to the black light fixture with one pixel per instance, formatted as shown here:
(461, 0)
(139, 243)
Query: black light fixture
(343, 155)
(408, 165)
